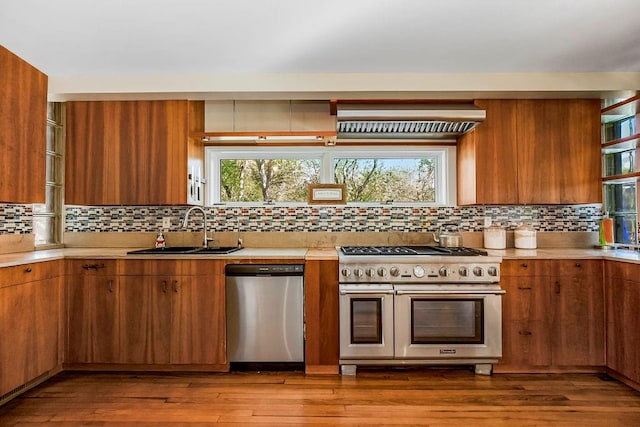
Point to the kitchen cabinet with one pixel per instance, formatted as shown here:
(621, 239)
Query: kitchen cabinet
(133, 152)
(532, 152)
(553, 315)
(622, 290)
(322, 349)
(30, 323)
(23, 118)
(172, 312)
(93, 331)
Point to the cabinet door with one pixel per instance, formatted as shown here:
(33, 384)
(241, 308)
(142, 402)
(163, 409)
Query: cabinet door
(47, 309)
(623, 322)
(487, 157)
(578, 313)
(198, 316)
(129, 152)
(17, 329)
(93, 329)
(145, 319)
(525, 328)
(23, 118)
(558, 151)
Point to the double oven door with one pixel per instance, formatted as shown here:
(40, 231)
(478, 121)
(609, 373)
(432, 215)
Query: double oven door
(420, 322)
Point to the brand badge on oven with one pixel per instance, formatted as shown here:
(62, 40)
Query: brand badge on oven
(447, 351)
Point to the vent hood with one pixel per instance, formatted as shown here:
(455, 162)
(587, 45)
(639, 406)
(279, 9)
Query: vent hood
(406, 121)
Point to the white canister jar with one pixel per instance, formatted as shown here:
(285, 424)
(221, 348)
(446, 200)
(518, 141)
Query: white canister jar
(495, 237)
(525, 237)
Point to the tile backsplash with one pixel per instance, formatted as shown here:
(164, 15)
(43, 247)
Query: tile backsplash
(326, 218)
(16, 219)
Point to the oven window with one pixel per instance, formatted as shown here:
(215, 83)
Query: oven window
(447, 321)
(366, 321)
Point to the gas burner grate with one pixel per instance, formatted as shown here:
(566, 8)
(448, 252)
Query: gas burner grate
(377, 250)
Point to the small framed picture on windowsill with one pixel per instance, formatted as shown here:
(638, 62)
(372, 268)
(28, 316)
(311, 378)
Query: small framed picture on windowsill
(327, 194)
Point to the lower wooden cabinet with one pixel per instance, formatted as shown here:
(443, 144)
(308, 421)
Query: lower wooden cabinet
(30, 324)
(553, 315)
(146, 312)
(93, 298)
(622, 281)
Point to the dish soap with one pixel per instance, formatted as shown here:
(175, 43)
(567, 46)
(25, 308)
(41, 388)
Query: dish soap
(160, 243)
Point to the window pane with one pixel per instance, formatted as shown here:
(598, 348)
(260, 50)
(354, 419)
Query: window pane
(379, 180)
(260, 180)
(44, 228)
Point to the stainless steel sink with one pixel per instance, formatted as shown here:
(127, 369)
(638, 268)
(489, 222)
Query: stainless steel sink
(191, 250)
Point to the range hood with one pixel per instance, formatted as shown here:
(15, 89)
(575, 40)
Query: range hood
(406, 121)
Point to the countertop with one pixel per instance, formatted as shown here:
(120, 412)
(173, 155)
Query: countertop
(20, 258)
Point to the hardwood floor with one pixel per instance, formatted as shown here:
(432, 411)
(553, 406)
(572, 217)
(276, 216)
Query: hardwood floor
(379, 398)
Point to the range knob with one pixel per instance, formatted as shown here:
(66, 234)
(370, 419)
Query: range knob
(443, 271)
(478, 271)
(493, 271)
(394, 271)
(346, 272)
(418, 271)
(358, 272)
(370, 272)
(463, 271)
(382, 272)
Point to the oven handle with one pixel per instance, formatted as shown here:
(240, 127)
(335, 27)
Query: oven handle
(445, 293)
(370, 292)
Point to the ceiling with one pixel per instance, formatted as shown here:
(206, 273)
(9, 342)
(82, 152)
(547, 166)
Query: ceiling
(275, 46)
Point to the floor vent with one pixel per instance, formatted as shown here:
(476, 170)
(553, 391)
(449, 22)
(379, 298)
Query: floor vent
(24, 387)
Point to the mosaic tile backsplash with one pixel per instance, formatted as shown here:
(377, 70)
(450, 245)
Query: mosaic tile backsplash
(16, 219)
(331, 218)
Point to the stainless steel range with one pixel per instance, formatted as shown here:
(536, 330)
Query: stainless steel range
(419, 305)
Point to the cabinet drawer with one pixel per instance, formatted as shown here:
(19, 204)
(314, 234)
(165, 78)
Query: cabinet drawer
(163, 267)
(526, 298)
(577, 267)
(621, 270)
(92, 267)
(524, 267)
(29, 272)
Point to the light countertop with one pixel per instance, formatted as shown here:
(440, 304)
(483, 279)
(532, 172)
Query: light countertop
(19, 258)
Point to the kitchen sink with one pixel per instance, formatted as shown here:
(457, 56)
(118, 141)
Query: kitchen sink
(191, 250)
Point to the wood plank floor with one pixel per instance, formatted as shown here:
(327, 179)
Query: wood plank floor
(427, 397)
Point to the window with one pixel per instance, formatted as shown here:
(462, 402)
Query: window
(372, 175)
(47, 217)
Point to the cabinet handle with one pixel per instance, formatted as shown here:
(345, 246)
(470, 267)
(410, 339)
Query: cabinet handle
(524, 288)
(110, 285)
(525, 265)
(557, 288)
(578, 265)
(175, 286)
(93, 266)
(526, 333)
(28, 270)
(164, 286)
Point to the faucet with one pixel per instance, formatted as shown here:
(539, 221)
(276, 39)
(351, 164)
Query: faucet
(206, 239)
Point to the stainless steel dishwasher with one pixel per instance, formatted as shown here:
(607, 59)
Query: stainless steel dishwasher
(265, 313)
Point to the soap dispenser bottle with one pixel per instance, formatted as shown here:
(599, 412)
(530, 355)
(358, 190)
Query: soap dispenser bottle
(160, 242)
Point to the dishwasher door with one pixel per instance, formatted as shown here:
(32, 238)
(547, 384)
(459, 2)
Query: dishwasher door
(265, 313)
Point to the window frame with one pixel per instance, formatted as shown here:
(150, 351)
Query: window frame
(445, 160)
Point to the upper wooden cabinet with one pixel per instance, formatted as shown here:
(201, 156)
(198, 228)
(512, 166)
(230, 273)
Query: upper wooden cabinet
(23, 129)
(132, 152)
(532, 151)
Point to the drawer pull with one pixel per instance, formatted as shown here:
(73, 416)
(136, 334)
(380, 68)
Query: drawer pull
(110, 285)
(93, 266)
(525, 333)
(175, 286)
(28, 270)
(525, 265)
(524, 288)
(164, 286)
(578, 265)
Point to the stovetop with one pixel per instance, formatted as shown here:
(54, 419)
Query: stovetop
(410, 250)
